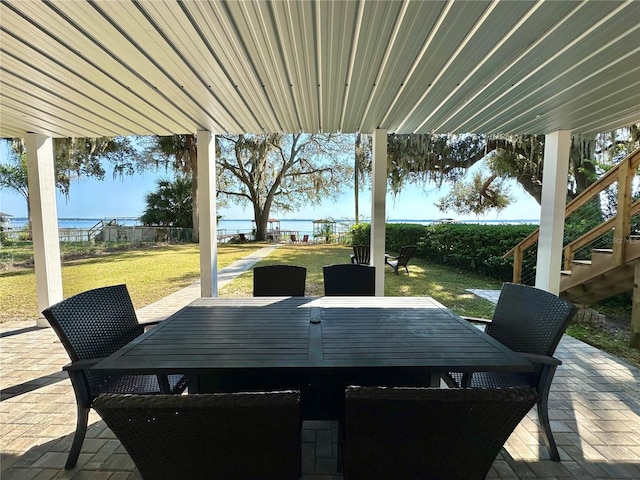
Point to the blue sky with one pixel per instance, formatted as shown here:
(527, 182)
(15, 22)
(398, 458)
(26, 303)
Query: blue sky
(124, 197)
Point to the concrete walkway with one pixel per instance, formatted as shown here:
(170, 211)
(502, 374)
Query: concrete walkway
(174, 302)
(491, 295)
(594, 408)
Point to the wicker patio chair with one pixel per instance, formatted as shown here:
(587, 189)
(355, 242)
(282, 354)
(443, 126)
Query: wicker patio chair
(402, 259)
(279, 280)
(428, 433)
(361, 254)
(227, 436)
(349, 279)
(529, 321)
(92, 325)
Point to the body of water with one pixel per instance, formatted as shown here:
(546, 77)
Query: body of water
(231, 226)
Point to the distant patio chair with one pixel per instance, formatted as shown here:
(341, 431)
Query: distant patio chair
(279, 280)
(349, 279)
(305, 239)
(231, 436)
(402, 259)
(361, 254)
(531, 322)
(428, 433)
(293, 239)
(91, 326)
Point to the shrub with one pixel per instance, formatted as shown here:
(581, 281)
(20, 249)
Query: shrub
(468, 247)
(474, 248)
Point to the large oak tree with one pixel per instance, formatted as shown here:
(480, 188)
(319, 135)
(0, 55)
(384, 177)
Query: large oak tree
(282, 172)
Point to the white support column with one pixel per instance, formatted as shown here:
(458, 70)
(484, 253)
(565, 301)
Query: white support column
(44, 221)
(207, 213)
(554, 195)
(378, 206)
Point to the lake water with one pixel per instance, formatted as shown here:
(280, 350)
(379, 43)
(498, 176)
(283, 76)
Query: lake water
(231, 226)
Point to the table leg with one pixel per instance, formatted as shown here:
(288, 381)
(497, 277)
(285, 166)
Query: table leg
(193, 384)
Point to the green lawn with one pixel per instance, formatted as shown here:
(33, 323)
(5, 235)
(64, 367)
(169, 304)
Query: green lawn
(445, 285)
(156, 271)
(150, 273)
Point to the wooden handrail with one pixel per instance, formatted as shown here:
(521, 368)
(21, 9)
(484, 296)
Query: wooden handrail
(592, 235)
(626, 168)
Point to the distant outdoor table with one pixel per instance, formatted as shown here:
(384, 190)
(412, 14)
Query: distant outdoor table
(312, 344)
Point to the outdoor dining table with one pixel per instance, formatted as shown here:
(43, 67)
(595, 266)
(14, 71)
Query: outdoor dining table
(317, 345)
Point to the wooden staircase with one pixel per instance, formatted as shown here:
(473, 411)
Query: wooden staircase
(590, 281)
(609, 271)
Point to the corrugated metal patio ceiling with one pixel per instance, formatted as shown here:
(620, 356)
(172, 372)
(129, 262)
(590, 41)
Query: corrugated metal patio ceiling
(149, 67)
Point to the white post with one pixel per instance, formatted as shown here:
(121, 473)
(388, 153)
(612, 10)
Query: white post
(378, 206)
(554, 195)
(44, 221)
(207, 213)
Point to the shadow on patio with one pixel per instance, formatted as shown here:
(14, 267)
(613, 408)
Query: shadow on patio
(594, 408)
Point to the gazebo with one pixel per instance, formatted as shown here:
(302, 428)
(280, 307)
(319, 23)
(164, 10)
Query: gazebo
(324, 229)
(102, 68)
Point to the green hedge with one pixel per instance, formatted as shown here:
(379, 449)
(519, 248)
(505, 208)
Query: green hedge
(469, 247)
(475, 248)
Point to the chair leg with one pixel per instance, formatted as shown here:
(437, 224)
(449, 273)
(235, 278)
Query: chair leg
(78, 438)
(547, 434)
(544, 385)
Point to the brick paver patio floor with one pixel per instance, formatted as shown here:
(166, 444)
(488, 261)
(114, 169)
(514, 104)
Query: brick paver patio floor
(594, 410)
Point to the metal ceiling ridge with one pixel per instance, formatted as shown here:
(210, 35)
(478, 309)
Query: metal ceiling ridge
(75, 72)
(552, 58)
(512, 64)
(157, 65)
(511, 33)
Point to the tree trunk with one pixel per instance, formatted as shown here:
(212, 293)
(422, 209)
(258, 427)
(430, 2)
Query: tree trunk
(193, 156)
(261, 217)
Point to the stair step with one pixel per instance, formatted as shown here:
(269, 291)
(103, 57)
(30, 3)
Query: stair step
(565, 272)
(602, 250)
(581, 262)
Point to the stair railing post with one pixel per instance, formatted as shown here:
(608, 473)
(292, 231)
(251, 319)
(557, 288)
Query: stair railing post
(623, 218)
(517, 265)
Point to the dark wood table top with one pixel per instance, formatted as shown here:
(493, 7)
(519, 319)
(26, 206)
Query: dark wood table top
(213, 335)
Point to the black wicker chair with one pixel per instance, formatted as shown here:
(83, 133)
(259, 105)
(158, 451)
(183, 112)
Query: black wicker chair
(402, 259)
(349, 279)
(92, 325)
(529, 321)
(428, 433)
(361, 254)
(225, 435)
(279, 280)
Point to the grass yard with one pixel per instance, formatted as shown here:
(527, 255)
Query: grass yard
(150, 273)
(157, 271)
(443, 284)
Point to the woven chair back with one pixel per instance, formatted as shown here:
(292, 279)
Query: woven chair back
(94, 323)
(419, 433)
(279, 280)
(530, 320)
(209, 436)
(349, 279)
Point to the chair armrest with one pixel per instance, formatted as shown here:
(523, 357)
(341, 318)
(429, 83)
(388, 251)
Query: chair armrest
(540, 359)
(82, 364)
(477, 320)
(150, 322)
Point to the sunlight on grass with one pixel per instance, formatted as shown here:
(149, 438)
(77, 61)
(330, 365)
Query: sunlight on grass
(445, 285)
(150, 274)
